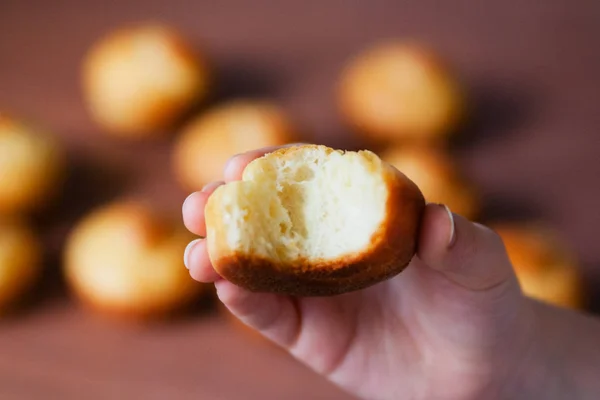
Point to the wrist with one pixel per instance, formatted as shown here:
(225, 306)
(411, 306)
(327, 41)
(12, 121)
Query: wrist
(562, 357)
(536, 373)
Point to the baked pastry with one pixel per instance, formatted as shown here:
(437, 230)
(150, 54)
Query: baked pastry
(211, 139)
(126, 259)
(400, 91)
(32, 166)
(545, 266)
(436, 175)
(313, 221)
(139, 80)
(20, 262)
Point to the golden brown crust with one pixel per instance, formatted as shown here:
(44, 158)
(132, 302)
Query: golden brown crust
(125, 259)
(545, 266)
(392, 248)
(152, 110)
(135, 312)
(20, 263)
(207, 142)
(533, 247)
(33, 172)
(385, 112)
(437, 176)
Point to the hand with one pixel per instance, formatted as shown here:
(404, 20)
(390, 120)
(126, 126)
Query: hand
(453, 325)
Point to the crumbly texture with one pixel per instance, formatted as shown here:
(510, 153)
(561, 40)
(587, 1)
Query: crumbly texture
(313, 221)
(20, 262)
(400, 91)
(139, 80)
(437, 176)
(207, 142)
(545, 266)
(125, 259)
(32, 166)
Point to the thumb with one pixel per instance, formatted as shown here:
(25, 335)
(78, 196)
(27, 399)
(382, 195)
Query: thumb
(467, 253)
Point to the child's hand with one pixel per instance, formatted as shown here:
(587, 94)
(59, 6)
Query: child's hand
(453, 325)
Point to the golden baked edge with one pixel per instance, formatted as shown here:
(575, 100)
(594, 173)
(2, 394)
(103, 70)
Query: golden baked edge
(391, 249)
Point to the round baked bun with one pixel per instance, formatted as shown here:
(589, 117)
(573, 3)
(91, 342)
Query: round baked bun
(139, 80)
(126, 259)
(313, 221)
(545, 266)
(20, 262)
(31, 166)
(207, 142)
(437, 176)
(400, 91)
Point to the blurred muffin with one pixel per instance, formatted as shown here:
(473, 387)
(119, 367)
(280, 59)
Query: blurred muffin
(400, 91)
(125, 259)
(212, 138)
(436, 175)
(31, 166)
(20, 262)
(545, 267)
(139, 80)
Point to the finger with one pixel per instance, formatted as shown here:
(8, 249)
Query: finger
(197, 261)
(469, 254)
(276, 317)
(235, 165)
(193, 209)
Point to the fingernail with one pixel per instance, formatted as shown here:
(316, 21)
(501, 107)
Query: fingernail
(186, 201)
(452, 238)
(188, 250)
(228, 163)
(183, 207)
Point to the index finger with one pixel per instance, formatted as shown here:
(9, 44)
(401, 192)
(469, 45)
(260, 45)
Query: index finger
(235, 165)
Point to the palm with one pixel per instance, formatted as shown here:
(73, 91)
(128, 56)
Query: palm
(364, 344)
(339, 337)
(407, 336)
(445, 330)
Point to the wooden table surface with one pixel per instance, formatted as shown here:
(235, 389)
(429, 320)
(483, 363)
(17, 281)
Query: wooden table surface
(532, 67)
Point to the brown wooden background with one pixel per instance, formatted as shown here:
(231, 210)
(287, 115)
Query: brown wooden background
(533, 67)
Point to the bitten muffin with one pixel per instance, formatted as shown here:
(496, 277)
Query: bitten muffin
(313, 221)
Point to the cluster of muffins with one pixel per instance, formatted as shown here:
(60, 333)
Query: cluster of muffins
(142, 82)
(32, 170)
(405, 101)
(124, 258)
